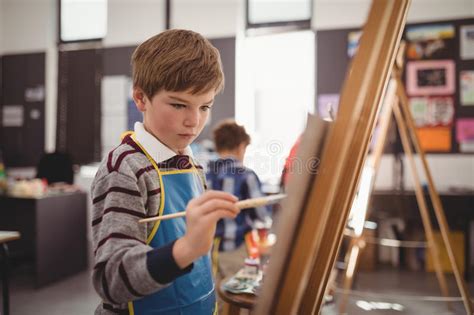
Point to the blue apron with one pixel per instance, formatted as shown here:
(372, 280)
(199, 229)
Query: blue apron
(192, 293)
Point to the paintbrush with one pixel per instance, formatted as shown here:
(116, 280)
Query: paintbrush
(243, 204)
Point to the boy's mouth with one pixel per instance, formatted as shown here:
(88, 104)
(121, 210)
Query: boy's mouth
(187, 135)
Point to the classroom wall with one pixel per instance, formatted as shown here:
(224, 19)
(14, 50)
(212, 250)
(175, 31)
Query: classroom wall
(213, 18)
(448, 171)
(27, 25)
(132, 21)
(129, 21)
(144, 18)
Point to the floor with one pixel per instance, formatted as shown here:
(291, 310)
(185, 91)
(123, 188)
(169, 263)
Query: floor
(390, 291)
(71, 296)
(393, 292)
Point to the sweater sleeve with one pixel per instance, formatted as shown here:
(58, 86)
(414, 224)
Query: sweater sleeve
(125, 268)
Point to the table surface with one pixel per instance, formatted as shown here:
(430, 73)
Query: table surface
(7, 236)
(242, 300)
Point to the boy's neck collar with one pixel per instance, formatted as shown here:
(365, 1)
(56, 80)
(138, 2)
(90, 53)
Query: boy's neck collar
(155, 148)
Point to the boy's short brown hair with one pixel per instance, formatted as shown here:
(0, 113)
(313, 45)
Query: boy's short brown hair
(228, 135)
(177, 60)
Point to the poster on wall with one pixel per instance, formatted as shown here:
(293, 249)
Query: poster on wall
(431, 49)
(115, 92)
(465, 134)
(12, 116)
(430, 32)
(466, 39)
(441, 111)
(436, 139)
(353, 39)
(466, 83)
(419, 110)
(327, 106)
(430, 42)
(35, 94)
(433, 77)
(433, 117)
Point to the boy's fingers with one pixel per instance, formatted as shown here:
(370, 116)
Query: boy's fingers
(219, 204)
(214, 194)
(220, 214)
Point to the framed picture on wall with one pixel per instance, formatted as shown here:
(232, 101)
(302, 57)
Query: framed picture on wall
(434, 77)
(435, 41)
(353, 39)
(465, 134)
(466, 82)
(467, 42)
(327, 106)
(430, 32)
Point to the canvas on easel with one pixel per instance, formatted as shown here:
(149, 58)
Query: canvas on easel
(311, 225)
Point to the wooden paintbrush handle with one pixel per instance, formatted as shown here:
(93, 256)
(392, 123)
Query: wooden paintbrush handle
(244, 204)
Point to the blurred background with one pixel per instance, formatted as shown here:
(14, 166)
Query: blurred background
(65, 99)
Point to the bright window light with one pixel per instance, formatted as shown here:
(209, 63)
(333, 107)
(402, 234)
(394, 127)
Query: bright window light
(271, 11)
(83, 19)
(274, 93)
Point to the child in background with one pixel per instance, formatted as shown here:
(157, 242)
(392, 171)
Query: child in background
(160, 267)
(228, 174)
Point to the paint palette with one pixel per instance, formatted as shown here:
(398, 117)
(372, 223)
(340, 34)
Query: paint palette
(241, 282)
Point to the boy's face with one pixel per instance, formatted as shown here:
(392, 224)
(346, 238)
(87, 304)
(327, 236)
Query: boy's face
(175, 118)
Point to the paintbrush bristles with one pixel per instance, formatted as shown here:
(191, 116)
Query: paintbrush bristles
(244, 204)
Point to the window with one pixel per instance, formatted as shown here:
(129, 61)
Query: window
(82, 20)
(267, 13)
(275, 82)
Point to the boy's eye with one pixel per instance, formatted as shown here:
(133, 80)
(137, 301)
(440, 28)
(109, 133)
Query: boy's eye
(205, 108)
(178, 106)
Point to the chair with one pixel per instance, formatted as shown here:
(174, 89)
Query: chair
(56, 167)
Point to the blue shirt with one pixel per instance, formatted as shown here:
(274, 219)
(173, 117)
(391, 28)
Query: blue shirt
(231, 176)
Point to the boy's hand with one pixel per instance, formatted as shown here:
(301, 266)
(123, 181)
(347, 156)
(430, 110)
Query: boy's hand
(202, 214)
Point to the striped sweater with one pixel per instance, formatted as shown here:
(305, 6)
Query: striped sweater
(125, 189)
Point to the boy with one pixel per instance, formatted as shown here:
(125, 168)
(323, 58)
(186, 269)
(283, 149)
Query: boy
(160, 267)
(229, 174)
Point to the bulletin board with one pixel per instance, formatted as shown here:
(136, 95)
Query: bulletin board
(438, 76)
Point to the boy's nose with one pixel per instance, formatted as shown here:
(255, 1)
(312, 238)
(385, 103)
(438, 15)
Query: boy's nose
(192, 119)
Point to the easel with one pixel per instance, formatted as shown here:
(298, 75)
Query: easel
(319, 199)
(396, 101)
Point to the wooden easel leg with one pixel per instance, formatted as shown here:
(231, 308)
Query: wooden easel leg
(351, 259)
(438, 209)
(352, 256)
(402, 128)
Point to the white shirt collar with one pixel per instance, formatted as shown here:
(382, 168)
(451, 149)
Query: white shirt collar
(155, 148)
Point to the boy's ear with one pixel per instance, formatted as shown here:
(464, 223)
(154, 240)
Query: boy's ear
(140, 98)
(242, 147)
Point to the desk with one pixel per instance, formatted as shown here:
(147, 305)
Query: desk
(458, 209)
(235, 302)
(53, 232)
(4, 238)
